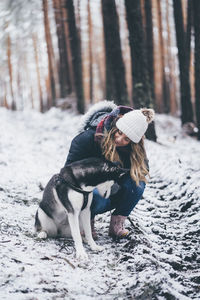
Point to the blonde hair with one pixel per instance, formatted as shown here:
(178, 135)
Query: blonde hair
(138, 169)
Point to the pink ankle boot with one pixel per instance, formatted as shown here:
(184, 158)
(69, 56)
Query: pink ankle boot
(116, 228)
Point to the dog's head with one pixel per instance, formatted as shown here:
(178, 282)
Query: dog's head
(94, 171)
(114, 170)
(100, 170)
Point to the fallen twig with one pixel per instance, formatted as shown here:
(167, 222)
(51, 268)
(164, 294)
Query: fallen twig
(65, 259)
(5, 241)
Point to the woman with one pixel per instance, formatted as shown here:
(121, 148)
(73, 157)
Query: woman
(117, 134)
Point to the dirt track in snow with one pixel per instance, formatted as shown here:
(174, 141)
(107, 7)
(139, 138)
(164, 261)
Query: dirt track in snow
(160, 260)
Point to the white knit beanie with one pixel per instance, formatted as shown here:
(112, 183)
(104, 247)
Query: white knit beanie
(135, 123)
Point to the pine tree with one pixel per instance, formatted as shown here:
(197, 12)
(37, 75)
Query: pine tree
(116, 87)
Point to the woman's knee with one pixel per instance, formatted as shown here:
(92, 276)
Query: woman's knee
(130, 186)
(140, 189)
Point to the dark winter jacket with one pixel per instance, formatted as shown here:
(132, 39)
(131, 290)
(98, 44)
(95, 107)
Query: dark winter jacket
(84, 146)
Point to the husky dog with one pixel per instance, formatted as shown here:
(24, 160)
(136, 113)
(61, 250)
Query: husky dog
(67, 199)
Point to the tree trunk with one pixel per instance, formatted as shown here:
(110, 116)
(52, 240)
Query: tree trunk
(13, 104)
(90, 51)
(165, 108)
(183, 55)
(188, 34)
(67, 44)
(19, 94)
(38, 73)
(52, 98)
(76, 55)
(5, 102)
(115, 71)
(63, 69)
(196, 14)
(140, 78)
(149, 45)
(157, 61)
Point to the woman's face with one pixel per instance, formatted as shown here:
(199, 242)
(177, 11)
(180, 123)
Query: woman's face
(121, 139)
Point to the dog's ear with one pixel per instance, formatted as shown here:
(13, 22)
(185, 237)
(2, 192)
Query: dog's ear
(117, 164)
(122, 170)
(125, 171)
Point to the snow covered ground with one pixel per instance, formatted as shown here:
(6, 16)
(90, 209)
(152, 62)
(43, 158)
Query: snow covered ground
(160, 260)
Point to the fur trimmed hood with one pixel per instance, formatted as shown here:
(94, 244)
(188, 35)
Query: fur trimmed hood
(95, 114)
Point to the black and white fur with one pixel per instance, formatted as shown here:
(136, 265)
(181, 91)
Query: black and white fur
(60, 214)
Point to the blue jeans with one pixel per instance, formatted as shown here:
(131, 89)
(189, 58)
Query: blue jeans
(123, 201)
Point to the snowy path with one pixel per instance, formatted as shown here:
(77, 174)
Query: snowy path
(159, 261)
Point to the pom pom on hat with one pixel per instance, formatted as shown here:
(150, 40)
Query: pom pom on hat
(149, 114)
(135, 123)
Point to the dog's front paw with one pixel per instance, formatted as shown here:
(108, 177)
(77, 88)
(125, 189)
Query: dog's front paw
(95, 247)
(42, 235)
(81, 255)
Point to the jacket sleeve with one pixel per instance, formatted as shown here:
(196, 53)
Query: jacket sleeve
(82, 146)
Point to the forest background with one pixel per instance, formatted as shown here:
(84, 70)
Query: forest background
(137, 53)
(58, 58)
